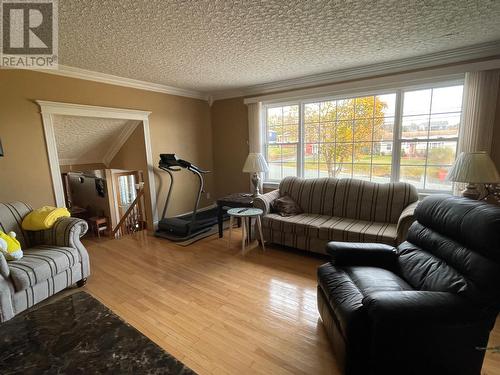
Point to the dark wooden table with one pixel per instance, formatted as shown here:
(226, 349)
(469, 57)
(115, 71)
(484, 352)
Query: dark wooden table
(232, 201)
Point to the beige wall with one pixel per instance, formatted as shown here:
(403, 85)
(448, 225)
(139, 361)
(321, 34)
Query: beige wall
(177, 124)
(230, 145)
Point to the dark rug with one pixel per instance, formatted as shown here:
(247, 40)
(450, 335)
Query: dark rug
(79, 335)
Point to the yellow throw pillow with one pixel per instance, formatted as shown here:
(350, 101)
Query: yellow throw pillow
(44, 217)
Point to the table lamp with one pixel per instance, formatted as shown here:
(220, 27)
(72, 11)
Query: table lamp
(255, 164)
(473, 168)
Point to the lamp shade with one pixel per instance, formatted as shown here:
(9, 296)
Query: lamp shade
(473, 167)
(255, 163)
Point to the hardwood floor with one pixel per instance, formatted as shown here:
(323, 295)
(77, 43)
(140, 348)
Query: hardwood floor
(217, 311)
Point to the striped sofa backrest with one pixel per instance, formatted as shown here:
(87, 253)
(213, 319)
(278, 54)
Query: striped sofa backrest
(351, 198)
(11, 217)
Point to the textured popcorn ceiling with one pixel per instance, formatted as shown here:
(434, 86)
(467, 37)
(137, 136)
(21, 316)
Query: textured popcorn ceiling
(214, 45)
(85, 139)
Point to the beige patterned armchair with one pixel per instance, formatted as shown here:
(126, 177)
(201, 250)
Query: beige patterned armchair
(54, 259)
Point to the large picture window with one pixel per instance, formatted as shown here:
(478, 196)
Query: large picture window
(408, 134)
(429, 136)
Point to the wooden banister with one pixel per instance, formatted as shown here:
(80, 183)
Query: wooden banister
(133, 219)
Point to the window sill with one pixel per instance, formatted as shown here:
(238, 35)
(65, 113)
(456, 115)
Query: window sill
(273, 185)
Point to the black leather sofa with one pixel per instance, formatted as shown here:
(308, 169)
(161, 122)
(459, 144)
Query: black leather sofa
(425, 307)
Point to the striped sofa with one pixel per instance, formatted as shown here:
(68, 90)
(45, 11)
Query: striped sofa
(54, 259)
(339, 210)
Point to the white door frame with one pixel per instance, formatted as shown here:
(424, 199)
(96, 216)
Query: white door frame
(49, 109)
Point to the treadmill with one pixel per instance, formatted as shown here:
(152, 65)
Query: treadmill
(184, 227)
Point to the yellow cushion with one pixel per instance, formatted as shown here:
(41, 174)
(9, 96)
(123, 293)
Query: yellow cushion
(43, 218)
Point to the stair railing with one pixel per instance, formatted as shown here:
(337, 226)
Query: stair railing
(134, 218)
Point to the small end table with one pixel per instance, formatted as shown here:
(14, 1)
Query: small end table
(245, 214)
(232, 200)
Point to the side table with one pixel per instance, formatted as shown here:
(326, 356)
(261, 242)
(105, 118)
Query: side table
(245, 214)
(232, 200)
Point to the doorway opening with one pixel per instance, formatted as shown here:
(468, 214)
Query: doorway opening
(101, 165)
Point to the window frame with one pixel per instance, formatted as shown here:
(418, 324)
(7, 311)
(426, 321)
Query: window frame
(397, 132)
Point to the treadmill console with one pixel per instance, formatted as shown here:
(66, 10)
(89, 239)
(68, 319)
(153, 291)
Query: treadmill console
(167, 161)
(171, 160)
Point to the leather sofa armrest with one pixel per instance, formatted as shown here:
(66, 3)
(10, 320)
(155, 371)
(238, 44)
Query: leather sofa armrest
(420, 307)
(265, 201)
(362, 254)
(405, 220)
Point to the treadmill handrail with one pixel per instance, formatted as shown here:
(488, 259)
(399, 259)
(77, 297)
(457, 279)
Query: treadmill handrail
(192, 224)
(169, 168)
(167, 201)
(195, 168)
(197, 203)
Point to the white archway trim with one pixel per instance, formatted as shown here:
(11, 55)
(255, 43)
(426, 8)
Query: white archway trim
(50, 109)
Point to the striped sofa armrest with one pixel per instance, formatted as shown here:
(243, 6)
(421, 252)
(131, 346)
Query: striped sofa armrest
(66, 231)
(264, 201)
(6, 304)
(406, 219)
(4, 267)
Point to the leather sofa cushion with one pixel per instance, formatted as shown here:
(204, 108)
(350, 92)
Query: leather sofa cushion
(437, 263)
(333, 228)
(473, 224)
(373, 279)
(346, 287)
(40, 263)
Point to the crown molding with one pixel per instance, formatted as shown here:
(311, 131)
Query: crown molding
(370, 84)
(453, 56)
(70, 109)
(72, 72)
